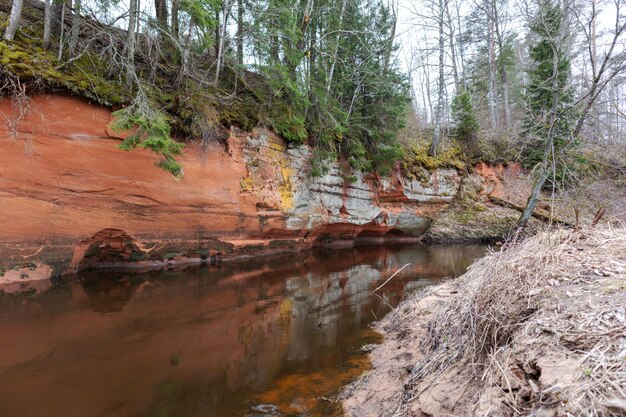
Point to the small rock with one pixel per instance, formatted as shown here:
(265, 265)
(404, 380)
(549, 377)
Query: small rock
(266, 409)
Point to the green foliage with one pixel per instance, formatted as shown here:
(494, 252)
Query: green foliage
(385, 156)
(203, 14)
(358, 113)
(549, 91)
(150, 130)
(319, 161)
(291, 128)
(464, 123)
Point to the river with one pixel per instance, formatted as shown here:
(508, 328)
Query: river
(273, 336)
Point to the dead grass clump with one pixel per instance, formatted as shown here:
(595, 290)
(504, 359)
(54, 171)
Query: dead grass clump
(559, 291)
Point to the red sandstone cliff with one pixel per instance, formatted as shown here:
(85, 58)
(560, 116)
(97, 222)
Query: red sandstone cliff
(70, 199)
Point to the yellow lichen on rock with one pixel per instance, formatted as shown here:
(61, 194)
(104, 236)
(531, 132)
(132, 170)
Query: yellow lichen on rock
(247, 184)
(286, 188)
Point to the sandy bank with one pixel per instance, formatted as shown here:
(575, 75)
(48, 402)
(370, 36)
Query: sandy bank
(537, 329)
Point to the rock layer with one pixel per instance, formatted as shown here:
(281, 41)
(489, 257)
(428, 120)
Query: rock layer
(70, 199)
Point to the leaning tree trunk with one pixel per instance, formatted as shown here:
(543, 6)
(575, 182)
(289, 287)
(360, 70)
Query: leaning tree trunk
(549, 149)
(14, 20)
(185, 54)
(531, 203)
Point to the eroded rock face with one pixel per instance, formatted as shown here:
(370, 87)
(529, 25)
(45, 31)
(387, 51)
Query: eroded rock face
(340, 196)
(64, 184)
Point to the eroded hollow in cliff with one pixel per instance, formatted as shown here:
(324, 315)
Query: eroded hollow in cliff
(106, 247)
(395, 233)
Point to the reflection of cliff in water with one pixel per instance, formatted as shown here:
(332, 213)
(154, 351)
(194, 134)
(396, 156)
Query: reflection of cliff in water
(200, 342)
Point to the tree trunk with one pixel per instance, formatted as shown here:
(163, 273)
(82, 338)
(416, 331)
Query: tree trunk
(138, 19)
(56, 18)
(185, 54)
(531, 203)
(537, 215)
(333, 58)
(432, 151)
(175, 23)
(392, 36)
(493, 93)
(306, 19)
(313, 42)
(426, 87)
(216, 44)
(219, 63)
(63, 8)
(502, 69)
(47, 23)
(14, 20)
(160, 7)
(460, 46)
(75, 31)
(130, 41)
(549, 150)
(455, 70)
(240, 32)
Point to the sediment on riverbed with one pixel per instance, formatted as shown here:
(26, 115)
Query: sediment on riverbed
(538, 328)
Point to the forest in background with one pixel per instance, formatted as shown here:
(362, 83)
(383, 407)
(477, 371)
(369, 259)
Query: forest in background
(427, 83)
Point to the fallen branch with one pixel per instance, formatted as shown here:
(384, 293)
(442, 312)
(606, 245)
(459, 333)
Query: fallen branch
(389, 279)
(538, 215)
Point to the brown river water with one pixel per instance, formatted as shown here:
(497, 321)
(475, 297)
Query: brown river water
(270, 337)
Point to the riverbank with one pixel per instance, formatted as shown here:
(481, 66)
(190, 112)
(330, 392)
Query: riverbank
(536, 329)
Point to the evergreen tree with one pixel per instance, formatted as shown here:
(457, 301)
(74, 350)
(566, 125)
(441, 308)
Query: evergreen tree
(549, 98)
(549, 122)
(464, 123)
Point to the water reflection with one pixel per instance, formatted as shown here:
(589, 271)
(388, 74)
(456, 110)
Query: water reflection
(214, 341)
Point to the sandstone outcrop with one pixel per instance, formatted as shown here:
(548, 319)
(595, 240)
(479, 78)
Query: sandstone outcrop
(70, 199)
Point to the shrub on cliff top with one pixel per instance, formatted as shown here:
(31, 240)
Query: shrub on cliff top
(151, 130)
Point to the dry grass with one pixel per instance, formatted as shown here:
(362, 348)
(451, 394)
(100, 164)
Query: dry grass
(561, 292)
